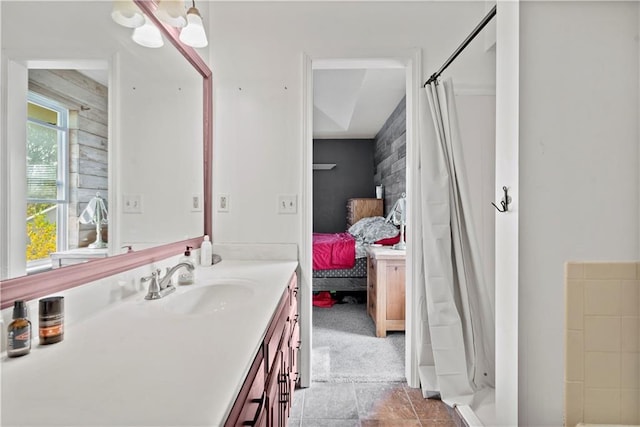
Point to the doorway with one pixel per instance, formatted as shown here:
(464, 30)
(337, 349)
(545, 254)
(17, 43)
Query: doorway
(359, 173)
(409, 62)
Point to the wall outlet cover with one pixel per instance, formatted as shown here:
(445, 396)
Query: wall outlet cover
(223, 203)
(196, 203)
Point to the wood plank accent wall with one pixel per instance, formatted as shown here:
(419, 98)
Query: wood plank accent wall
(87, 101)
(390, 154)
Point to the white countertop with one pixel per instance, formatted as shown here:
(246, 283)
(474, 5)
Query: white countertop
(137, 363)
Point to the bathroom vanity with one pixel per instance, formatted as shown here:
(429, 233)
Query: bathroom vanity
(266, 396)
(219, 352)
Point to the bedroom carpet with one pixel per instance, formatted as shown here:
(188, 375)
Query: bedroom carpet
(345, 347)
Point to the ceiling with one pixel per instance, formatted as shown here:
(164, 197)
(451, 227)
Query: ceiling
(354, 103)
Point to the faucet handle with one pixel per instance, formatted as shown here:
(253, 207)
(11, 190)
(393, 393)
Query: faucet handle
(154, 286)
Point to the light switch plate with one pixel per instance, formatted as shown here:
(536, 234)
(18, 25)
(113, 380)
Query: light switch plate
(287, 204)
(132, 203)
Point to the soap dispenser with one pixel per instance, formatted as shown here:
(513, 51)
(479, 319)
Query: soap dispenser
(186, 277)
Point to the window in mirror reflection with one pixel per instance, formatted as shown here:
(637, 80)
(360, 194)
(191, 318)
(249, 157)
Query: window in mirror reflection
(47, 179)
(67, 166)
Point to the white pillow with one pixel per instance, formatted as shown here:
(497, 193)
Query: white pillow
(372, 229)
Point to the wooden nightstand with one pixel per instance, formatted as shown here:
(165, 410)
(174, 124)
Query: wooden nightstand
(385, 288)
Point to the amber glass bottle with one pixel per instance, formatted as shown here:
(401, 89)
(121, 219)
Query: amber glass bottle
(51, 320)
(19, 331)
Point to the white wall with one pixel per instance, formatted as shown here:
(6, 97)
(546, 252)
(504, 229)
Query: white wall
(256, 52)
(578, 171)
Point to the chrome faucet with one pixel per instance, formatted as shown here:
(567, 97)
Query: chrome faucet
(160, 287)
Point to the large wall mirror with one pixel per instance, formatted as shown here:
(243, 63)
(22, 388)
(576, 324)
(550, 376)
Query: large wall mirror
(106, 145)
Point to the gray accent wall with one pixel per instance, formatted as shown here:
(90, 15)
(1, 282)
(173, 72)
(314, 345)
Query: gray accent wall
(390, 154)
(352, 177)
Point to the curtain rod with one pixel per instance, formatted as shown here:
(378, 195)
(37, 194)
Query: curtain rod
(463, 45)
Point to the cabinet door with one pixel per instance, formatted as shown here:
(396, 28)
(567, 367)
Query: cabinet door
(285, 390)
(276, 332)
(294, 348)
(274, 418)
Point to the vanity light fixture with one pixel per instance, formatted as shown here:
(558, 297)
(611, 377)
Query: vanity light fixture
(170, 12)
(147, 35)
(193, 34)
(127, 14)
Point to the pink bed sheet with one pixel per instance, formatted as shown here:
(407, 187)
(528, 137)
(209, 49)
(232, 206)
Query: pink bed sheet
(333, 251)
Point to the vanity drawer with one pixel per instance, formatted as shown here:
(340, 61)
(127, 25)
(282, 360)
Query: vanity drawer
(293, 294)
(276, 331)
(250, 404)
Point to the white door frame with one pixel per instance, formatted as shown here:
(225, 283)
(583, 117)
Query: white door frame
(411, 60)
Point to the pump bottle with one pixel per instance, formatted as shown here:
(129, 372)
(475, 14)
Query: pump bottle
(186, 277)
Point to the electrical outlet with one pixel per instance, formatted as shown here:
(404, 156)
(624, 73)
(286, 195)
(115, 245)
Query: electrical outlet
(223, 203)
(196, 203)
(132, 203)
(287, 204)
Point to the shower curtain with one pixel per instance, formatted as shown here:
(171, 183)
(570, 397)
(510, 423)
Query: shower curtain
(456, 331)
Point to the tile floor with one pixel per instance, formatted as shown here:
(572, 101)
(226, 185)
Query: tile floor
(366, 405)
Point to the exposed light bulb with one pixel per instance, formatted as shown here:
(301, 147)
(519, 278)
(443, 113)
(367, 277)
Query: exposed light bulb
(148, 35)
(193, 34)
(171, 12)
(127, 14)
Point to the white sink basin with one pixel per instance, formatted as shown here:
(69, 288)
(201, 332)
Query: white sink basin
(210, 298)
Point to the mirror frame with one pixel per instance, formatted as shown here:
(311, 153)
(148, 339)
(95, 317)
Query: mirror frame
(34, 286)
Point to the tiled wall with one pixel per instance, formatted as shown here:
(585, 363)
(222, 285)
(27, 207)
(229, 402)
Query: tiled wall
(602, 335)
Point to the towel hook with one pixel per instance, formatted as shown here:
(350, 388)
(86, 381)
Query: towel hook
(504, 202)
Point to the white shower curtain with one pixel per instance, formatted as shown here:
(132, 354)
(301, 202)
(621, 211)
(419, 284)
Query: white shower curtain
(456, 353)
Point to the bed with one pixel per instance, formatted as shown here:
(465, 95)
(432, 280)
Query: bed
(340, 260)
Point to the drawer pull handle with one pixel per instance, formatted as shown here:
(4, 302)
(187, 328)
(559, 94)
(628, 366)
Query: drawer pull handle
(258, 411)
